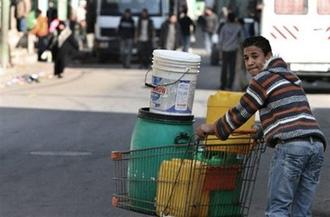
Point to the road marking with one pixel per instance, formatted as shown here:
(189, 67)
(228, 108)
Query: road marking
(60, 153)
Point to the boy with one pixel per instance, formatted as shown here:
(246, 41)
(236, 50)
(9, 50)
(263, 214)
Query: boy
(288, 126)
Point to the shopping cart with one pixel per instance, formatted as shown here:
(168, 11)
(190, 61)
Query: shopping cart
(203, 178)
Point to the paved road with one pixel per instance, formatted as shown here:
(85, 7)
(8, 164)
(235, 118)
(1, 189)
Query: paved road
(56, 137)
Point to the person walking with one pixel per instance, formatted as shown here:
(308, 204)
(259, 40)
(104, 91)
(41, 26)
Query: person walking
(170, 33)
(288, 126)
(41, 31)
(209, 24)
(126, 32)
(243, 77)
(187, 29)
(82, 24)
(145, 38)
(52, 12)
(23, 8)
(230, 37)
(61, 45)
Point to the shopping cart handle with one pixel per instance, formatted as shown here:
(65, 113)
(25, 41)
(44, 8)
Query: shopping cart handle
(249, 131)
(116, 155)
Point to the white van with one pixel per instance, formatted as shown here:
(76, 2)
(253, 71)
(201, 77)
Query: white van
(299, 31)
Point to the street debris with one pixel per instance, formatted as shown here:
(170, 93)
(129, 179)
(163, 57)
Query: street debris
(23, 79)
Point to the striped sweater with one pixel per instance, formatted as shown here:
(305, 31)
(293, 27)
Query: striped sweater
(283, 107)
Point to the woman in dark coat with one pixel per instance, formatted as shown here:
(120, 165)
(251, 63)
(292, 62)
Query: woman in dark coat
(62, 44)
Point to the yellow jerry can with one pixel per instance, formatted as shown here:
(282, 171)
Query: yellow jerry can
(217, 106)
(179, 188)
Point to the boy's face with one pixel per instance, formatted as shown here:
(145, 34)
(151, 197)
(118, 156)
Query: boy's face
(254, 59)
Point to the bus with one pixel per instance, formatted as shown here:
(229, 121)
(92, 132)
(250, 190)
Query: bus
(108, 14)
(299, 32)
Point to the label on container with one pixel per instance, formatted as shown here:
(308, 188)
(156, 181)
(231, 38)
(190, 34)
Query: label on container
(172, 96)
(182, 96)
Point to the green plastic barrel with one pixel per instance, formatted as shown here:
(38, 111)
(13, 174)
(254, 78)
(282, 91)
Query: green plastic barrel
(155, 138)
(154, 130)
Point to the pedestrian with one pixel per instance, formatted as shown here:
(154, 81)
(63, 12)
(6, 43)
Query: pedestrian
(54, 23)
(230, 37)
(243, 77)
(52, 33)
(61, 45)
(209, 24)
(126, 32)
(41, 31)
(170, 33)
(187, 29)
(288, 126)
(51, 12)
(22, 9)
(145, 38)
(81, 20)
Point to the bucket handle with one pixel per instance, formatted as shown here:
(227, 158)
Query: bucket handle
(166, 84)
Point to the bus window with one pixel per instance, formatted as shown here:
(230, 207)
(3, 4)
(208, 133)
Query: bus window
(323, 7)
(116, 8)
(291, 6)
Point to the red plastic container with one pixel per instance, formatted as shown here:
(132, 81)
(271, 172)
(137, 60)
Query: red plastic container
(220, 178)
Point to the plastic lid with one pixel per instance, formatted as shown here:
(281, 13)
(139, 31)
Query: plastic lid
(176, 55)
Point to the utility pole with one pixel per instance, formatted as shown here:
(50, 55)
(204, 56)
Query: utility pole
(4, 33)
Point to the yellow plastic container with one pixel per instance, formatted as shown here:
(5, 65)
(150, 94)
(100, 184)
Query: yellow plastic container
(179, 188)
(204, 204)
(217, 106)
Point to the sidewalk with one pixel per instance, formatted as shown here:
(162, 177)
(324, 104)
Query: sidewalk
(25, 70)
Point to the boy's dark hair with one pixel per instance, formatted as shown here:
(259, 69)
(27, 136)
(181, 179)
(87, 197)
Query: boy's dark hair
(259, 42)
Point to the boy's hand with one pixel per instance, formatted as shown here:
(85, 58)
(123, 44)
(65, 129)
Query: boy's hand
(205, 129)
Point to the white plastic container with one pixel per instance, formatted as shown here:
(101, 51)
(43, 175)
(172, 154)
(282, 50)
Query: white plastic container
(174, 77)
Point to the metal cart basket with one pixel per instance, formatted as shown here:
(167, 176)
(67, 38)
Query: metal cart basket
(205, 178)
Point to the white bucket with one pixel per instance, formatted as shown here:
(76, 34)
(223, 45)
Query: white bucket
(174, 77)
(177, 69)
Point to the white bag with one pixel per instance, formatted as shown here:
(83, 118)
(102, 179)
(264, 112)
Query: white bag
(192, 38)
(215, 38)
(47, 55)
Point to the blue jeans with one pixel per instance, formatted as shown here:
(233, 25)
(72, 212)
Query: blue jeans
(21, 24)
(294, 175)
